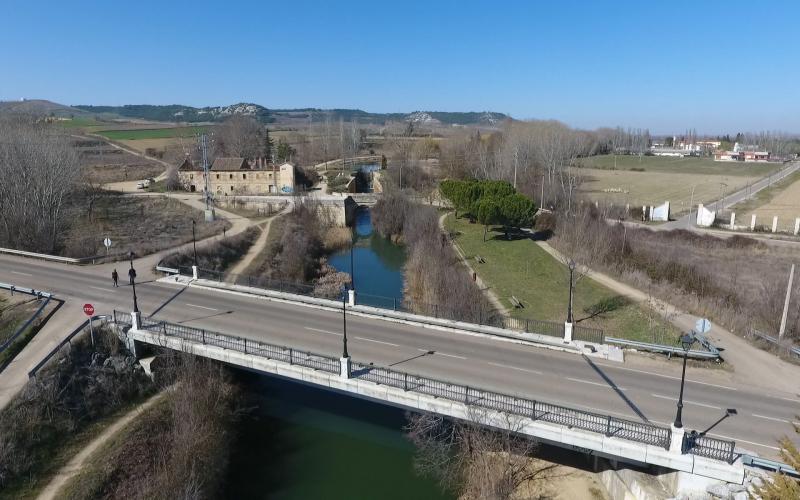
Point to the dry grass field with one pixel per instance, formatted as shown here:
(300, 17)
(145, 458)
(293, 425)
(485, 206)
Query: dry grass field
(674, 165)
(781, 200)
(655, 187)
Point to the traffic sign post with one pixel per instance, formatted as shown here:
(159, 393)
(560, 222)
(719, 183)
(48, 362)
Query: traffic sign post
(702, 326)
(107, 244)
(88, 309)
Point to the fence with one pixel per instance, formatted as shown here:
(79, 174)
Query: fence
(704, 446)
(479, 316)
(629, 430)
(67, 340)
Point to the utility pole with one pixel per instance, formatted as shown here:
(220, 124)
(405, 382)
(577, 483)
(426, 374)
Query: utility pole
(206, 175)
(786, 304)
(691, 204)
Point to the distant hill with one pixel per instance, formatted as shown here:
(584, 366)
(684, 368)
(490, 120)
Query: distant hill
(39, 107)
(177, 112)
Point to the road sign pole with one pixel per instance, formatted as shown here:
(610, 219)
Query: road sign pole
(91, 329)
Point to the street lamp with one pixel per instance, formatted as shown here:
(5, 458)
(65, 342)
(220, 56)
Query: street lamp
(133, 285)
(687, 340)
(194, 243)
(571, 286)
(344, 323)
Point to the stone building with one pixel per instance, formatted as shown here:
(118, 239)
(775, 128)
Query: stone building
(238, 176)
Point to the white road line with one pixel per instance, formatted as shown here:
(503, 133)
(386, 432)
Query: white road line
(770, 418)
(377, 341)
(322, 331)
(667, 376)
(448, 355)
(743, 441)
(597, 383)
(21, 274)
(203, 307)
(686, 401)
(515, 368)
(790, 399)
(102, 289)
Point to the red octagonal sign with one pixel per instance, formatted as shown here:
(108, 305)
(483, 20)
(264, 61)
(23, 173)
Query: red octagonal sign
(88, 309)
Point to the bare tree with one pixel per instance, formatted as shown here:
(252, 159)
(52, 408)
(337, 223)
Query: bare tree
(239, 136)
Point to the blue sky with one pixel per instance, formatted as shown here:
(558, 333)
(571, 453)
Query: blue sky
(711, 65)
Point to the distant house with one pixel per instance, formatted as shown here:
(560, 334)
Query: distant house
(741, 154)
(238, 176)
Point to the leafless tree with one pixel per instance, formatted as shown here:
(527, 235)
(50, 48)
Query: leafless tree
(39, 169)
(239, 136)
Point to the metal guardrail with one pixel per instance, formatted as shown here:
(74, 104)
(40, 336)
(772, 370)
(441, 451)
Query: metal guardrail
(67, 340)
(23, 327)
(771, 465)
(22, 289)
(704, 446)
(793, 350)
(668, 349)
(58, 258)
(167, 270)
(629, 430)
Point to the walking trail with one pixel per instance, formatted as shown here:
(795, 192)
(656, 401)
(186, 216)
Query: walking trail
(752, 366)
(74, 466)
(258, 246)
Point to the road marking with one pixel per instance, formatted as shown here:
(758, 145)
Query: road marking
(448, 355)
(21, 274)
(203, 307)
(376, 341)
(686, 401)
(790, 399)
(515, 368)
(770, 418)
(322, 331)
(667, 376)
(102, 289)
(597, 383)
(743, 441)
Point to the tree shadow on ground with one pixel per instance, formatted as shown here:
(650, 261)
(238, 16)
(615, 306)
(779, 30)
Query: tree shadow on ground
(604, 306)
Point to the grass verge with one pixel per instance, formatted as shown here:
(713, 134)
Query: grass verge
(523, 269)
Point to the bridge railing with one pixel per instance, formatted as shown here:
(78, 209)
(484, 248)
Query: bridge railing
(704, 446)
(629, 430)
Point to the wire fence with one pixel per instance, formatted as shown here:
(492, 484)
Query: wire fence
(474, 397)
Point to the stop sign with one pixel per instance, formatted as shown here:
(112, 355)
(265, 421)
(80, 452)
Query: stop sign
(88, 309)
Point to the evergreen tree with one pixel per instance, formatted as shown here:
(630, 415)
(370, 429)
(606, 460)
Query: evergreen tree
(268, 144)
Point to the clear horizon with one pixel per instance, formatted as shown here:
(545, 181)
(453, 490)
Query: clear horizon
(716, 67)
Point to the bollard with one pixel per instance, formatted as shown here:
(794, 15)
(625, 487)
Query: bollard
(753, 222)
(774, 223)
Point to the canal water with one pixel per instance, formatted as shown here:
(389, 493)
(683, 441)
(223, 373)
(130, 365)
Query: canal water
(377, 264)
(299, 442)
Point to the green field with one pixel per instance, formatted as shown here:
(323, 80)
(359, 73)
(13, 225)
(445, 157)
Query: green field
(523, 269)
(151, 133)
(673, 165)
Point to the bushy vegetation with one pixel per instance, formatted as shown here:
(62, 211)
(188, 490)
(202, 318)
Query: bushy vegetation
(218, 256)
(490, 202)
(84, 384)
(178, 449)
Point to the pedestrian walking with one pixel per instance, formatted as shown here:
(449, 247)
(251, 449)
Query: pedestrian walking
(132, 274)
(115, 277)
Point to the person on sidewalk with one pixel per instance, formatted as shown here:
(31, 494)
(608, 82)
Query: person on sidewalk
(132, 275)
(115, 278)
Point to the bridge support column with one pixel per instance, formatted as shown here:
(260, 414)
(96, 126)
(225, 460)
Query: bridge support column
(194, 272)
(567, 332)
(351, 298)
(344, 370)
(676, 441)
(136, 320)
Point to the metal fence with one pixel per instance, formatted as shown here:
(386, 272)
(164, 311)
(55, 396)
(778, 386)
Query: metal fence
(587, 334)
(480, 398)
(790, 349)
(704, 446)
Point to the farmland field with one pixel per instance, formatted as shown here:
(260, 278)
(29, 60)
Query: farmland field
(673, 165)
(655, 187)
(782, 199)
(151, 133)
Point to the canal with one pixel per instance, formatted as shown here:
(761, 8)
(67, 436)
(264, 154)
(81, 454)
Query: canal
(299, 442)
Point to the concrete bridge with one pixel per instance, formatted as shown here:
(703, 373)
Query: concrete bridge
(703, 458)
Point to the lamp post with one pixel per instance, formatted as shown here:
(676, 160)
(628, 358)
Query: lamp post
(345, 355)
(687, 340)
(571, 286)
(194, 242)
(133, 285)
(352, 268)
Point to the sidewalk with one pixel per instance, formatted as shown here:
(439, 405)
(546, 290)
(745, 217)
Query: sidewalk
(751, 365)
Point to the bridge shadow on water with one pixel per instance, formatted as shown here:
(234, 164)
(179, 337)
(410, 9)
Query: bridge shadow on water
(616, 388)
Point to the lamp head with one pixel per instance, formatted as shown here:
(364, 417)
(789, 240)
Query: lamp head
(687, 339)
(571, 265)
(731, 412)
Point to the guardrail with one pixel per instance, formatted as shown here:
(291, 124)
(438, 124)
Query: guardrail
(629, 430)
(67, 340)
(667, 349)
(771, 465)
(167, 270)
(704, 446)
(23, 327)
(22, 289)
(792, 350)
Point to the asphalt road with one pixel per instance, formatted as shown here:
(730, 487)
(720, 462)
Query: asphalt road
(640, 389)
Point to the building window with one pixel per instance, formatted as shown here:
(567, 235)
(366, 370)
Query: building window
(191, 176)
(217, 176)
(244, 176)
(230, 176)
(231, 188)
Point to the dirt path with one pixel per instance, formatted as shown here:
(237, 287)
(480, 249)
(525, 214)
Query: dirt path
(493, 298)
(77, 462)
(751, 365)
(258, 246)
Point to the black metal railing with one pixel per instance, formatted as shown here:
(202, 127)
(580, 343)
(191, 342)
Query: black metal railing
(480, 398)
(587, 334)
(708, 447)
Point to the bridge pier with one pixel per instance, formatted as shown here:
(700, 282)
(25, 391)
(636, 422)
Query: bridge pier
(676, 440)
(567, 332)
